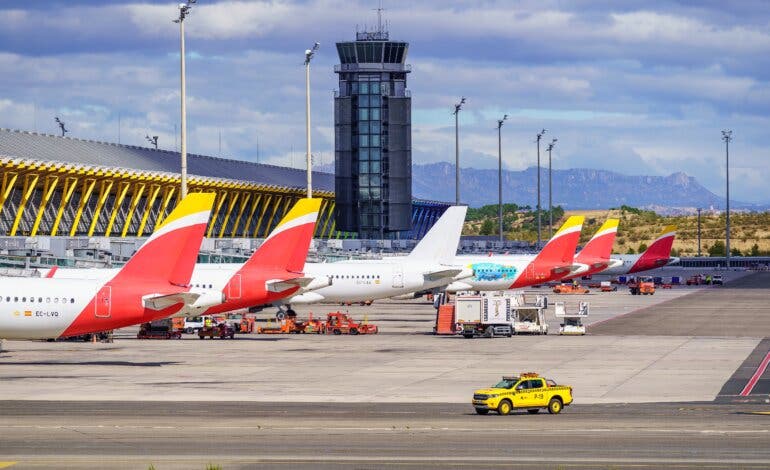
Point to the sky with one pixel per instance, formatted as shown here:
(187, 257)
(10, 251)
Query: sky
(638, 87)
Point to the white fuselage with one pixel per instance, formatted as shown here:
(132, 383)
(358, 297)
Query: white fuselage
(491, 273)
(42, 308)
(357, 281)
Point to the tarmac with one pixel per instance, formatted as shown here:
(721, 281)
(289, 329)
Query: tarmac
(659, 380)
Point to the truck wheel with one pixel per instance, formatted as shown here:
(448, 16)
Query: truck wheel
(468, 336)
(554, 406)
(481, 412)
(490, 332)
(353, 331)
(337, 332)
(533, 411)
(189, 330)
(201, 337)
(504, 408)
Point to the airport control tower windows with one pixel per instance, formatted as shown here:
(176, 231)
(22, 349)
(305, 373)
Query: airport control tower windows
(372, 137)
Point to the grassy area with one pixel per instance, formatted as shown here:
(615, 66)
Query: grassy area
(750, 231)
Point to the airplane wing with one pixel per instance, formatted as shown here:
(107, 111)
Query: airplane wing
(442, 273)
(305, 284)
(195, 299)
(161, 301)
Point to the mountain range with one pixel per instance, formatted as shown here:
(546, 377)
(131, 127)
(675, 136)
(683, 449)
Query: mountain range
(577, 188)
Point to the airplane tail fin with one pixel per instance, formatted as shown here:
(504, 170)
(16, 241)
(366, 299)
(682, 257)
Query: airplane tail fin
(661, 247)
(600, 245)
(560, 249)
(287, 245)
(439, 245)
(169, 255)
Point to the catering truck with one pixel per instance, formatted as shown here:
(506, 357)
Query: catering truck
(488, 314)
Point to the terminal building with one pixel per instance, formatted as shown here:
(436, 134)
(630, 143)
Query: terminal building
(372, 134)
(62, 186)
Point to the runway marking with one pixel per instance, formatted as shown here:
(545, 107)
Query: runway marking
(7, 464)
(399, 428)
(755, 378)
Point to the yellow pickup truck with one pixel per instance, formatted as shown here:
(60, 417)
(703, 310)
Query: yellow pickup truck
(527, 391)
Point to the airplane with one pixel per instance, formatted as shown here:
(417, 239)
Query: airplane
(656, 256)
(272, 272)
(430, 264)
(153, 284)
(595, 256)
(554, 261)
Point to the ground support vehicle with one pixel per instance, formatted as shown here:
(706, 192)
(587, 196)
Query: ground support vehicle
(695, 280)
(642, 286)
(570, 289)
(717, 279)
(489, 314)
(607, 286)
(221, 330)
(159, 329)
(528, 391)
(192, 325)
(529, 319)
(338, 323)
(572, 323)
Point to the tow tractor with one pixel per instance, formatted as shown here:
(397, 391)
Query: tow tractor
(642, 286)
(572, 322)
(338, 323)
(222, 330)
(160, 329)
(570, 289)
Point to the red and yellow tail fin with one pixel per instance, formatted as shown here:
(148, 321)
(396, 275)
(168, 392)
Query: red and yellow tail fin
(599, 247)
(287, 245)
(661, 247)
(169, 255)
(560, 249)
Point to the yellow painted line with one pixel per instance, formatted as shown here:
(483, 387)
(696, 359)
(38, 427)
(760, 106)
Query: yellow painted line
(759, 412)
(7, 464)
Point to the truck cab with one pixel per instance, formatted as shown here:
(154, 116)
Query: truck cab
(527, 391)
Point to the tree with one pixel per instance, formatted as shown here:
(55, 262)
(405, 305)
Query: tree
(735, 252)
(630, 251)
(717, 249)
(487, 228)
(754, 250)
(642, 247)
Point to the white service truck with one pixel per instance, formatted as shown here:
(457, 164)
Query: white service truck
(572, 323)
(488, 314)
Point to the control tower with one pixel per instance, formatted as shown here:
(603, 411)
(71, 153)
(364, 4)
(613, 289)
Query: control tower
(373, 136)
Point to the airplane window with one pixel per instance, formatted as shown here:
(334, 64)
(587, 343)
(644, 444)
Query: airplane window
(209, 286)
(7, 299)
(23, 299)
(56, 300)
(64, 300)
(15, 299)
(72, 300)
(48, 300)
(40, 299)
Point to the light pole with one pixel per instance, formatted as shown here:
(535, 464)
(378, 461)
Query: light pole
(61, 125)
(699, 210)
(539, 136)
(458, 107)
(184, 10)
(550, 194)
(500, 174)
(152, 140)
(727, 136)
(309, 55)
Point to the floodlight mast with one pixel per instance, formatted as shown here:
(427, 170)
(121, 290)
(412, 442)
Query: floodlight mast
(458, 107)
(500, 174)
(550, 192)
(539, 137)
(184, 10)
(309, 53)
(61, 125)
(727, 136)
(153, 140)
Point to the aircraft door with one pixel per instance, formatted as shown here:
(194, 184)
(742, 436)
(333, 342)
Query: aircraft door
(234, 287)
(398, 275)
(103, 303)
